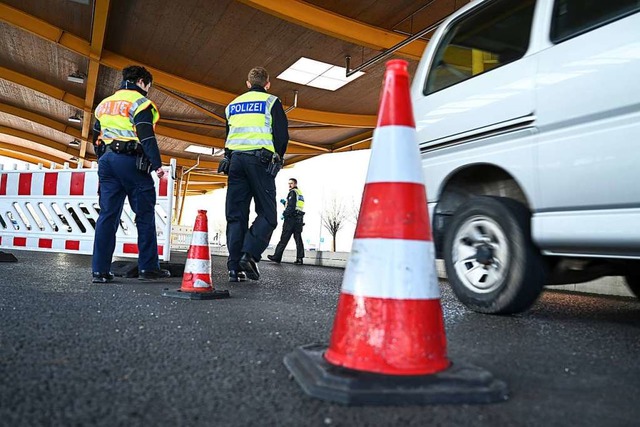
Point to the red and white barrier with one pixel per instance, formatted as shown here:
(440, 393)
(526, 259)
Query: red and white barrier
(56, 210)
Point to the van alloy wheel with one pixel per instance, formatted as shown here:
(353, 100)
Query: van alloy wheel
(479, 253)
(491, 262)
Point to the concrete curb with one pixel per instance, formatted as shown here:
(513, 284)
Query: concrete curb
(604, 286)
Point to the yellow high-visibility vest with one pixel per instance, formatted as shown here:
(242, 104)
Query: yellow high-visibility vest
(299, 200)
(250, 122)
(116, 114)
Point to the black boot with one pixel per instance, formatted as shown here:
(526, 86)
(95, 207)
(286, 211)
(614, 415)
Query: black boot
(250, 266)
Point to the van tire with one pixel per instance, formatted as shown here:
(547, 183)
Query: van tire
(504, 271)
(633, 283)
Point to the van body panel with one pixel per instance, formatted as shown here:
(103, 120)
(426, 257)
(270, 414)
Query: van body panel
(578, 163)
(440, 164)
(611, 233)
(588, 154)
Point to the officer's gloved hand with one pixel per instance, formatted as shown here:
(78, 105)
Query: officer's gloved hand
(283, 201)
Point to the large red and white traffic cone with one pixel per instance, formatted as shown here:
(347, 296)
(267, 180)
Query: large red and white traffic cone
(196, 280)
(388, 344)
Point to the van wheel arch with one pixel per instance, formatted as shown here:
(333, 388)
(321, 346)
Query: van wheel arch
(471, 181)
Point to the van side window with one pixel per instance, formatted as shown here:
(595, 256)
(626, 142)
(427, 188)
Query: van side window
(574, 17)
(488, 38)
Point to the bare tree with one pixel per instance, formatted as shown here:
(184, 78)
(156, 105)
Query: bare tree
(353, 210)
(333, 217)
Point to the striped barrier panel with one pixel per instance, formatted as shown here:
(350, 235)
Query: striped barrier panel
(56, 210)
(181, 237)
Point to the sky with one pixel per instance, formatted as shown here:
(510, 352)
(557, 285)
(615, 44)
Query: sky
(322, 179)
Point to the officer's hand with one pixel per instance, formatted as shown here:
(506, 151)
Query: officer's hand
(160, 172)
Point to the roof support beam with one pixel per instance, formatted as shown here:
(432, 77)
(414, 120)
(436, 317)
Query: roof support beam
(197, 178)
(39, 119)
(82, 47)
(334, 25)
(187, 163)
(100, 14)
(12, 152)
(190, 104)
(38, 86)
(27, 136)
(347, 144)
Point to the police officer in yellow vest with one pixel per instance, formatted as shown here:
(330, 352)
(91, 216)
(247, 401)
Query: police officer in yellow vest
(257, 138)
(293, 223)
(127, 150)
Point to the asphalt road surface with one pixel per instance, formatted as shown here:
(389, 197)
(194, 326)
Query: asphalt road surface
(77, 354)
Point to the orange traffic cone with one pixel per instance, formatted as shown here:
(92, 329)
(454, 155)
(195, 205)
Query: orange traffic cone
(196, 280)
(388, 344)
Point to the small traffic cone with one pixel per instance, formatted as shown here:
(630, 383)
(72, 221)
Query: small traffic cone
(388, 344)
(196, 280)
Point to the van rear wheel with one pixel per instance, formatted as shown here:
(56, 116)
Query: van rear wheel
(491, 262)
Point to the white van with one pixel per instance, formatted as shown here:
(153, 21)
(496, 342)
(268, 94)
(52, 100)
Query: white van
(528, 120)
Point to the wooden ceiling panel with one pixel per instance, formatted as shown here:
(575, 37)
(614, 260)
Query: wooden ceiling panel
(52, 66)
(203, 48)
(71, 16)
(17, 123)
(214, 43)
(172, 107)
(325, 137)
(406, 16)
(36, 102)
(175, 148)
(108, 81)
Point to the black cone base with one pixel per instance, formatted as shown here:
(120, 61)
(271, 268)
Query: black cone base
(461, 383)
(176, 270)
(7, 257)
(126, 269)
(196, 295)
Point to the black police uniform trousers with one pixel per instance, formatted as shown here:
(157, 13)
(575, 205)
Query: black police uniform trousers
(119, 178)
(292, 226)
(248, 179)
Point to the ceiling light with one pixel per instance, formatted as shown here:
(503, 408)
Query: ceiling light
(199, 149)
(75, 118)
(74, 143)
(76, 77)
(318, 74)
(322, 82)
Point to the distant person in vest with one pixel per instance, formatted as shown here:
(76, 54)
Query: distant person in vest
(293, 223)
(127, 150)
(257, 138)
